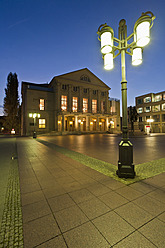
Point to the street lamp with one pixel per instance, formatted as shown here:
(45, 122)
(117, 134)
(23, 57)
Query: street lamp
(34, 116)
(140, 37)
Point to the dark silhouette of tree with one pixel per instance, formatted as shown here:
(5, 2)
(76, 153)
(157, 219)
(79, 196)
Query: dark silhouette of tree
(133, 116)
(11, 103)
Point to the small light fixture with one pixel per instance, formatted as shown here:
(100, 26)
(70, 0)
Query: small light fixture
(150, 120)
(59, 122)
(30, 115)
(137, 56)
(142, 29)
(106, 37)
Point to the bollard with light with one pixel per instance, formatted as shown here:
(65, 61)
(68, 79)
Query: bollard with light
(34, 116)
(140, 37)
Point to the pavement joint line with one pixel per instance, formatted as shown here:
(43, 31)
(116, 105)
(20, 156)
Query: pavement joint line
(11, 233)
(143, 171)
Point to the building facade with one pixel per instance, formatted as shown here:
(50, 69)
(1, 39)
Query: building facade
(151, 112)
(72, 102)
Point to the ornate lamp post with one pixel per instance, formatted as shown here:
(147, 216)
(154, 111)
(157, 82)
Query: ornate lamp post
(34, 116)
(140, 37)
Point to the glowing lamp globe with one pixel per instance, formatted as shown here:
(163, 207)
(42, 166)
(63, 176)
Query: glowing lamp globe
(137, 56)
(108, 61)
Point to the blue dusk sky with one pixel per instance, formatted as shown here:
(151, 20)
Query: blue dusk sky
(41, 39)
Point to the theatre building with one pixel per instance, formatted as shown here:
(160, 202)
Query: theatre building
(75, 102)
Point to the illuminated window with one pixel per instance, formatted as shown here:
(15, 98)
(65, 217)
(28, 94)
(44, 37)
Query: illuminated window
(140, 110)
(94, 106)
(41, 123)
(42, 104)
(156, 108)
(147, 109)
(163, 96)
(102, 106)
(147, 99)
(75, 104)
(163, 106)
(157, 98)
(64, 103)
(85, 105)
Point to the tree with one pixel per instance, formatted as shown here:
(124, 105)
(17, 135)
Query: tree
(11, 103)
(133, 116)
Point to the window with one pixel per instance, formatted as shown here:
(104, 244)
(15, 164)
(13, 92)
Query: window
(157, 98)
(163, 96)
(94, 92)
(147, 99)
(140, 101)
(42, 104)
(64, 86)
(85, 105)
(75, 89)
(85, 90)
(102, 106)
(140, 119)
(147, 109)
(64, 103)
(140, 110)
(41, 123)
(156, 118)
(156, 108)
(163, 106)
(103, 93)
(75, 104)
(163, 118)
(85, 78)
(94, 106)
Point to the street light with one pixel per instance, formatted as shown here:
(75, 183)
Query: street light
(34, 116)
(140, 37)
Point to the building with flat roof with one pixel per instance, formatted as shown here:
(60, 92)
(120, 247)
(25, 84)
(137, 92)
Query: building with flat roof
(71, 103)
(151, 112)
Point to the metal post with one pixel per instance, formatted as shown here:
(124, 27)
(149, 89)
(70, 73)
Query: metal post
(125, 163)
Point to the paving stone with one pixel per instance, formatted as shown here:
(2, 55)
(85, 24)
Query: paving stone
(158, 194)
(70, 218)
(60, 202)
(133, 214)
(94, 208)
(85, 236)
(113, 200)
(35, 233)
(113, 227)
(135, 240)
(98, 189)
(129, 193)
(150, 205)
(154, 231)
(142, 187)
(32, 197)
(111, 183)
(35, 210)
(57, 242)
(81, 195)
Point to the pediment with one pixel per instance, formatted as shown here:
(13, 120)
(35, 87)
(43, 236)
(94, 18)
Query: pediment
(83, 76)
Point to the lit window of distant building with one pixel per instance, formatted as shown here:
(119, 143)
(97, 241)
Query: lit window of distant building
(147, 99)
(157, 98)
(140, 110)
(163, 106)
(147, 109)
(75, 104)
(163, 96)
(94, 106)
(102, 106)
(85, 105)
(42, 123)
(64, 103)
(156, 108)
(42, 104)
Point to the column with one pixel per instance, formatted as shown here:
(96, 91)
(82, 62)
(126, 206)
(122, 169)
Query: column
(76, 123)
(70, 98)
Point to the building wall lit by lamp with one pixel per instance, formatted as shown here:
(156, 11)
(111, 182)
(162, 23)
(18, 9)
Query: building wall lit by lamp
(137, 56)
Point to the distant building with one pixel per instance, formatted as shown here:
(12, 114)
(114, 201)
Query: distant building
(71, 103)
(151, 112)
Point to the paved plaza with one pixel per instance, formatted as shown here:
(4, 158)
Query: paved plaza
(63, 203)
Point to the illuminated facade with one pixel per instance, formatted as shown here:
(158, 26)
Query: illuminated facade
(73, 102)
(151, 112)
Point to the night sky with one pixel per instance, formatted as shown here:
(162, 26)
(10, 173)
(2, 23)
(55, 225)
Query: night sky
(41, 39)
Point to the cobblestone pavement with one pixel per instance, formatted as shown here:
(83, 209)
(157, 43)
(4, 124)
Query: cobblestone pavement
(11, 232)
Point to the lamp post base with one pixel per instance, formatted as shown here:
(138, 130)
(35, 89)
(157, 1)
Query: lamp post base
(125, 163)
